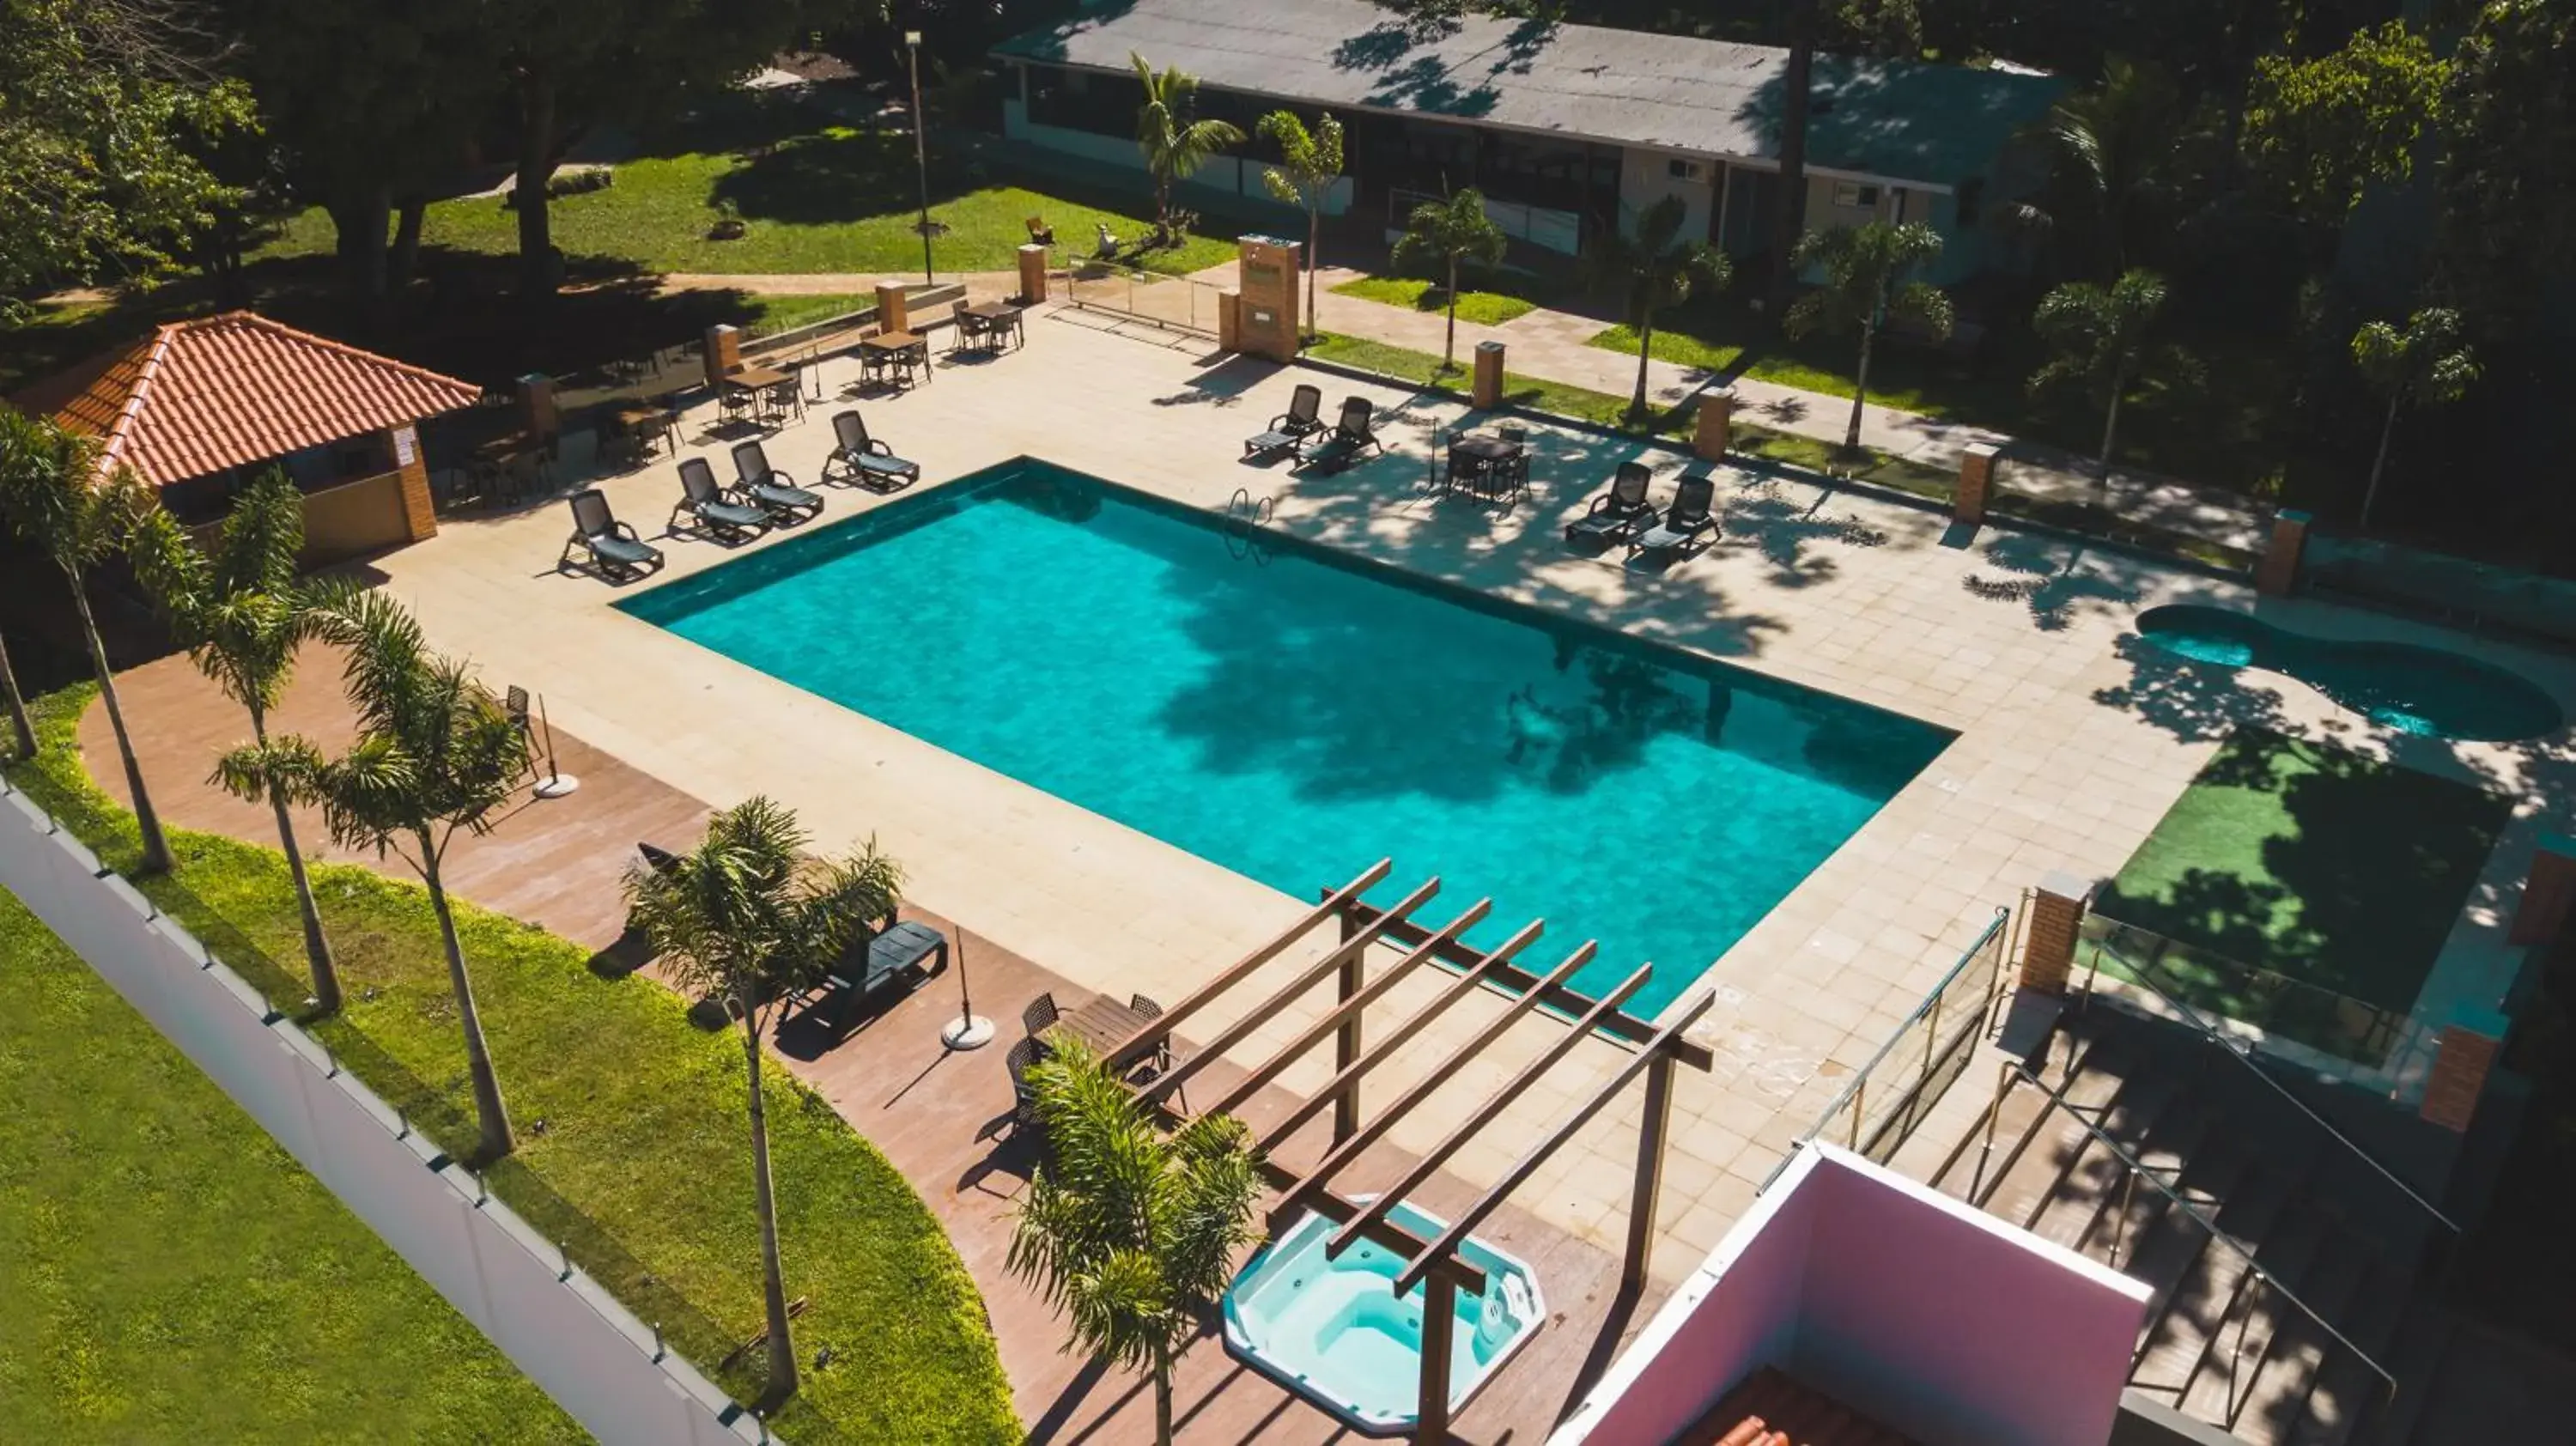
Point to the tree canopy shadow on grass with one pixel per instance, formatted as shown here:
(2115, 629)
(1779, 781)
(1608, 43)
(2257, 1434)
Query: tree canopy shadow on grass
(2314, 862)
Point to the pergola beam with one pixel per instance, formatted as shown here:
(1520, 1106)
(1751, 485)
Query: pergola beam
(1271, 1068)
(1484, 1114)
(1621, 1026)
(1663, 1048)
(1348, 1150)
(1397, 1240)
(1349, 1078)
(1144, 1041)
(1171, 1080)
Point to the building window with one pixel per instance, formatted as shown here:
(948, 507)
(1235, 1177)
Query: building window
(1685, 170)
(1853, 196)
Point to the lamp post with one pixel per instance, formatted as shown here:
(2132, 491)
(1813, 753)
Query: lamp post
(920, 146)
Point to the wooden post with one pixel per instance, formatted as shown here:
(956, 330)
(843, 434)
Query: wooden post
(2056, 917)
(1033, 274)
(420, 515)
(723, 352)
(894, 307)
(1439, 1321)
(1652, 1132)
(1347, 1044)
(1713, 429)
(2548, 891)
(2278, 572)
(537, 405)
(1486, 390)
(1976, 483)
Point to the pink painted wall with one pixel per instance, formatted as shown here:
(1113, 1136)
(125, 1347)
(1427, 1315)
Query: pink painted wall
(1938, 1321)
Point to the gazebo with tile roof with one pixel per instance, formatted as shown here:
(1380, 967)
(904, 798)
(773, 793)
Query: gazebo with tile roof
(197, 406)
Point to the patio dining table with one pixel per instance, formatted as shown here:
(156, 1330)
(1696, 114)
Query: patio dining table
(1488, 466)
(1001, 319)
(1102, 1025)
(894, 348)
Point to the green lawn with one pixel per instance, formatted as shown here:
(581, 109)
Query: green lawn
(631, 1123)
(174, 1275)
(816, 197)
(1485, 308)
(2222, 431)
(2313, 863)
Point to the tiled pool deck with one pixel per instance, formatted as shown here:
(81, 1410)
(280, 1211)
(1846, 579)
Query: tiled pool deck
(2070, 747)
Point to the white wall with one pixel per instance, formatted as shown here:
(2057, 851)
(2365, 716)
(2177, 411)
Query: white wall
(1645, 178)
(571, 1337)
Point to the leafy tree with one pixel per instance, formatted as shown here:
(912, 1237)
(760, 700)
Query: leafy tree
(2509, 174)
(2122, 157)
(434, 754)
(1656, 268)
(1129, 1233)
(1866, 286)
(2105, 341)
(1309, 164)
(1441, 235)
(2319, 130)
(1888, 29)
(1174, 144)
(242, 614)
(51, 494)
(100, 102)
(2423, 362)
(749, 919)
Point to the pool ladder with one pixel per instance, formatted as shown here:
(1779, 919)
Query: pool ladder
(1245, 518)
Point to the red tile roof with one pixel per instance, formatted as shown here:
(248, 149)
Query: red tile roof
(222, 391)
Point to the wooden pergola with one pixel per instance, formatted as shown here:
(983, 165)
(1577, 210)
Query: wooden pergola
(1435, 1264)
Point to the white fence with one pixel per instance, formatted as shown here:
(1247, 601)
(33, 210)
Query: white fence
(597, 1360)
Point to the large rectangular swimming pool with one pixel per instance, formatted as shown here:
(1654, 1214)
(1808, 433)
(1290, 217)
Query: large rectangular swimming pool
(1294, 713)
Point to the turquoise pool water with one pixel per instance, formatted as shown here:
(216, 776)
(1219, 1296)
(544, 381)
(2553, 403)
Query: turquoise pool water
(1295, 714)
(1336, 1332)
(2423, 691)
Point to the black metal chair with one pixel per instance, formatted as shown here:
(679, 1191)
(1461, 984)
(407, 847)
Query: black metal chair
(1024, 1099)
(1161, 1062)
(1040, 1015)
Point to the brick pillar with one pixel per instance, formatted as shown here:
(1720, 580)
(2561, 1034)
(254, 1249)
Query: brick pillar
(723, 351)
(2279, 570)
(1033, 274)
(537, 405)
(1487, 390)
(1267, 323)
(1976, 482)
(2459, 1077)
(420, 515)
(2547, 892)
(894, 311)
(1229, 320)
(2048, 945)
(1714, 431)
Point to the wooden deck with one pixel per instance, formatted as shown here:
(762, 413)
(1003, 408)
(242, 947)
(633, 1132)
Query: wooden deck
(941, 1117)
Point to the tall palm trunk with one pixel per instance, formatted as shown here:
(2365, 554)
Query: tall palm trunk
(1860, 384)
(1162, 1398)
(1791, 219)
(1314, 243)
(1645, 349)
(536, 166)
(773, 1279)
(19, 723)
(317, 949)
(1449, 348)
(2111, 423)
(156, 847)
(2379, 463)
(490, 1116)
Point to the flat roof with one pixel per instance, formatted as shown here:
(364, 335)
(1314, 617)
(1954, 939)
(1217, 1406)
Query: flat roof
(1931, 124)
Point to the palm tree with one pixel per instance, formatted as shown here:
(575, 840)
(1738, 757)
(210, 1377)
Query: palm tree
(20, 725)
(1309, 164)
(53, 494)
(1866, 286)
(1174, 145)
(241, 614)
(434, 754)
(2424, 362)
(1130, 1233)
(1656, 268)
(2105, 340)
(749, 919)
(1441, 234)
(2115, 152)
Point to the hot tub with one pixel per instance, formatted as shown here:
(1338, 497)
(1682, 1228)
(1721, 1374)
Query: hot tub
(1335, 1332)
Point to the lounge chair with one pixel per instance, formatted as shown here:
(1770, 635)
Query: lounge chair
(1616, 515)
(769, 489)
(1684, 528)
(1040, 233)
(864, 460)
(1300, 421)
(712, 509)
(882, 956)
(612, 545)
(1353, 434)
